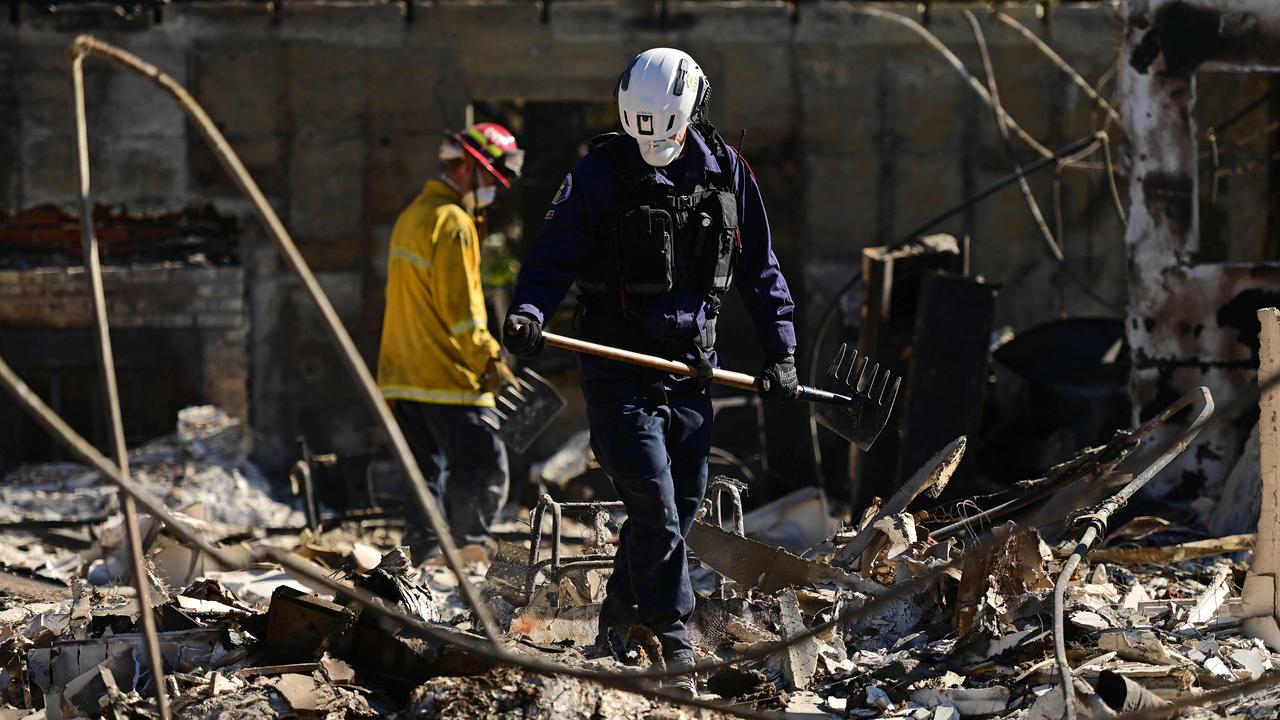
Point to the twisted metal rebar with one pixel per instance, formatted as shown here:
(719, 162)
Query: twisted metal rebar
(85, 46)
(111, 395)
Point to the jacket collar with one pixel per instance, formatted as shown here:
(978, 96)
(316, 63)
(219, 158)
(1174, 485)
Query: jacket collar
(439, 188)
(695, 143)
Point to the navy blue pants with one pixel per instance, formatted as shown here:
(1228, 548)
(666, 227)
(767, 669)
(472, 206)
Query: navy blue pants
(655, 453)
(465, 465)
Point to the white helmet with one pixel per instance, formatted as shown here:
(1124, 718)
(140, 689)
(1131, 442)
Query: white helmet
(659, 94)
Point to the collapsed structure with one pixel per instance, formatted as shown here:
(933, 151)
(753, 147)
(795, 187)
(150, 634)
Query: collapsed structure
(1049, 601)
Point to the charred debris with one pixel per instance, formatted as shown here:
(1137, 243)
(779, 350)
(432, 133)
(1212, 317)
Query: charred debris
(175, 579)
(901, 613)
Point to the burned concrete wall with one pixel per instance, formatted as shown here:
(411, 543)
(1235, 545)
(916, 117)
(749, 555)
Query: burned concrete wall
(856, 131)
(180, 335)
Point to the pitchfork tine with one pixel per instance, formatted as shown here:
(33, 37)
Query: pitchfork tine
(893, 394)
(852, 357)
(854, 375)
(837, 363)
(864, 383)
(834, 367)
(878, 384)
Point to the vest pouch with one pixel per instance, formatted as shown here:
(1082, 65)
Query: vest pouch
(718, 241)
(647, 251)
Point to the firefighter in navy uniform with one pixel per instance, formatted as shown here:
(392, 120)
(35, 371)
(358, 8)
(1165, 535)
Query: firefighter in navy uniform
(655, 225)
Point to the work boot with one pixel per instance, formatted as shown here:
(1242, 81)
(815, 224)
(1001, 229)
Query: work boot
(685, 684)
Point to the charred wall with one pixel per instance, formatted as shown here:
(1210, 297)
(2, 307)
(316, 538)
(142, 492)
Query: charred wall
(856, 131)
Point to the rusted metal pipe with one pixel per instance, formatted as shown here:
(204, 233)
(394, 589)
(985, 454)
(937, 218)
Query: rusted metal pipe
(111, 394)
(1095, 522)
(306, 571)
(86, 45)
(1122, 694)
(632, 682)
(1210, 698)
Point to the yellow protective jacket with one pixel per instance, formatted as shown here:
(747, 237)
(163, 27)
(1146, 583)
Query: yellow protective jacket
(435, 339)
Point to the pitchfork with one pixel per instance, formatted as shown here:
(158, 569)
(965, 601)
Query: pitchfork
(856, 408)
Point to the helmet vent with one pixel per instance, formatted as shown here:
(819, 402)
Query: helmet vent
(625, 81)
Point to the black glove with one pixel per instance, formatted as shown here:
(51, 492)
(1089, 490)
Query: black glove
(778, 380)
(522, 335)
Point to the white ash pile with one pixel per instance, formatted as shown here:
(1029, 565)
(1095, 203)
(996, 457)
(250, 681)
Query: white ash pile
(205, 462)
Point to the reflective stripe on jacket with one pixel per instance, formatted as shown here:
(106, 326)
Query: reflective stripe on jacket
(435, 337)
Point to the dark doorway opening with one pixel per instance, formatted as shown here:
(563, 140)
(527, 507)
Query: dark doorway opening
(554, 135)
(159, 372)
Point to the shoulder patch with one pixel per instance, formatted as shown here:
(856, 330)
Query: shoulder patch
(566, 187)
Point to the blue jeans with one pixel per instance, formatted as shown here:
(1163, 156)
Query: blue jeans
(465, 466)
(655, 451)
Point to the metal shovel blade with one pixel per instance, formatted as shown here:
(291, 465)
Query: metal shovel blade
(524, 409)
(867, 398)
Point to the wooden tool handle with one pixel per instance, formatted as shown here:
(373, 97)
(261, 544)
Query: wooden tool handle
(738, 380)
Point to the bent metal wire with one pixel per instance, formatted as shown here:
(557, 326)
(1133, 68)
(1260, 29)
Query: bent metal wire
(558, 565)
(307, 571)
(87, 46)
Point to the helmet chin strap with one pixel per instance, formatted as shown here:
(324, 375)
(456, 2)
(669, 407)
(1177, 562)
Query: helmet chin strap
(444, 178)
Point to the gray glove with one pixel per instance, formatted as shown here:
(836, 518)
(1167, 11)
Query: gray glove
(778, 380)
(522, 335)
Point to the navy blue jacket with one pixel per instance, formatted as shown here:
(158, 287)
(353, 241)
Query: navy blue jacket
(568, 235)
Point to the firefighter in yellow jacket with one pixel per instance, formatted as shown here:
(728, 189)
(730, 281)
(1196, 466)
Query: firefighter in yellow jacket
(438, 365)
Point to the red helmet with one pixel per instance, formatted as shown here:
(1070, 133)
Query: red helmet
(494, 147)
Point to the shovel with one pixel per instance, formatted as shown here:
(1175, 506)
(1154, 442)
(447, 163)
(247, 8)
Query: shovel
(857, 410)
(524, 409)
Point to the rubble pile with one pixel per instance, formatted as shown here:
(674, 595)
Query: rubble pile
(1153, 617)
(205, 462)
(896, 615)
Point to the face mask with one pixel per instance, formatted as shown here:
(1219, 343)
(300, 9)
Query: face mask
(479, 197)
(660, 153)
(485, 196)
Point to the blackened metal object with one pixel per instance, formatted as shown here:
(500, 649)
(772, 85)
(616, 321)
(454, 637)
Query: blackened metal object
(524, 409)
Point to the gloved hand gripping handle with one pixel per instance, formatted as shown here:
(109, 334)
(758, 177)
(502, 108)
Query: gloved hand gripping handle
(857, 417)
(728, 378)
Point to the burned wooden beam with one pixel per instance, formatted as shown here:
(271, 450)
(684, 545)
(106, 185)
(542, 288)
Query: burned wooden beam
(1261, 588)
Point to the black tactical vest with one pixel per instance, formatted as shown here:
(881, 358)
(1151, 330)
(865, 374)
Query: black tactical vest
(653, 241)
